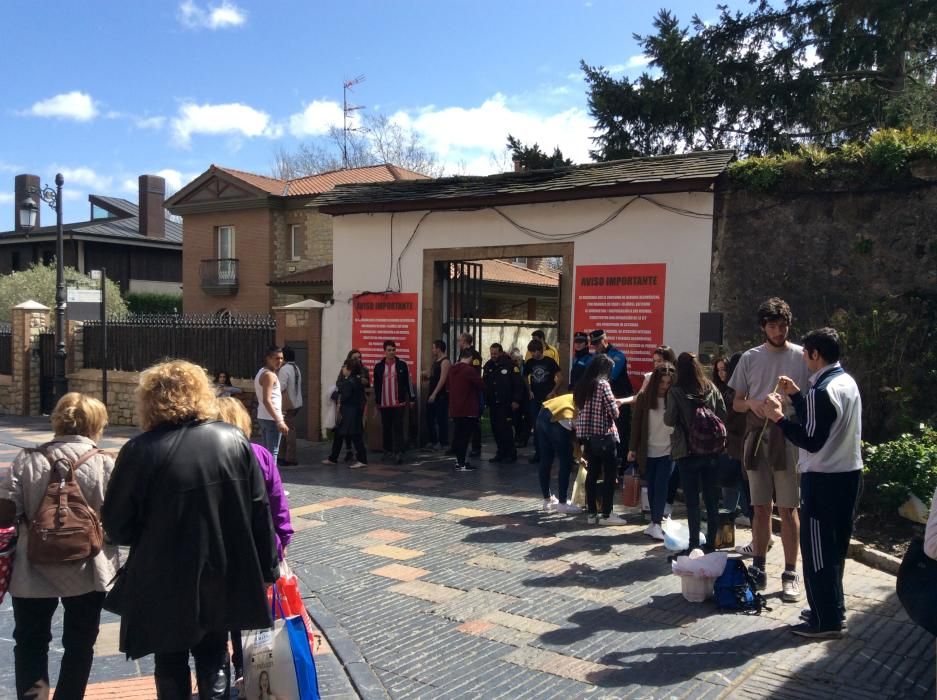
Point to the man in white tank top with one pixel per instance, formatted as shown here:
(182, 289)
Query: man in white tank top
(270, 401)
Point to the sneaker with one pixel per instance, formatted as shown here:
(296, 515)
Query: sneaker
(567, 508)
(743, 521)
(655, 531)
(613, 520)
(329, 461)
(358, 465)
(464, 468)
(790, 587)
(550, 503)
(760, 578)
(748, 550)
(805, 629)
(592, 519)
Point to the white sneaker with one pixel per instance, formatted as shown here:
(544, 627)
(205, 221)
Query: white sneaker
(790, 587)
(743, 521)
(550, 503)
(358, 465)
(567, 508)
(748, 550)
(655, 531)
(612, 520)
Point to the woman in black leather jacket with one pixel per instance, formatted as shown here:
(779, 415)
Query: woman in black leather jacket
(189, 499)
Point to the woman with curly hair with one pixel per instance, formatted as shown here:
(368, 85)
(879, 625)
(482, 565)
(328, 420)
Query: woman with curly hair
(189, 499)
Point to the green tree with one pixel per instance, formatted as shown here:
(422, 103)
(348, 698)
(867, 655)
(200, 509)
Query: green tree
(532, 158)
(766, 80)
(38, 284)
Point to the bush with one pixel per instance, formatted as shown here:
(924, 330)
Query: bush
(901, 467)
(153, 303)
(38, 283)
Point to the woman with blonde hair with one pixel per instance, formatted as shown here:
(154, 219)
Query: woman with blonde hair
(189, 499)
(78, 422)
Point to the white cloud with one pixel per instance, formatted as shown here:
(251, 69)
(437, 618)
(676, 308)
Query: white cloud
(84, 177)
(637, 61)
(465, 137)
(149, 122)
(175, 180)
(223, 16)
(230, 119)
(68, 105)
(317, 118)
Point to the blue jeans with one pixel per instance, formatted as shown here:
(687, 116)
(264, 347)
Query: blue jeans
(555, 441)
(269, 436)
(657, 474)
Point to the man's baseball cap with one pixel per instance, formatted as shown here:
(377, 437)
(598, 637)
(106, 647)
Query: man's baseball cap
(580, 337)
(596, 336)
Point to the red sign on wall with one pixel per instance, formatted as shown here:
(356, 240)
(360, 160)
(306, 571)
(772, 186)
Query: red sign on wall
(380, 317)
(627, 302)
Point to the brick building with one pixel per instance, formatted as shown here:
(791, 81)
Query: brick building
(254, 242)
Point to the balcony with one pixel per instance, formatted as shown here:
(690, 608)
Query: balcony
(219, 277)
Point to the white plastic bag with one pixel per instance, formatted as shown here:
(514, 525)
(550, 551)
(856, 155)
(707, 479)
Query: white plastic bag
(700, 565)
(677, 536)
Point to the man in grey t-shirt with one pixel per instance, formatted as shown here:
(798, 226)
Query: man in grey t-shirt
(771, 464)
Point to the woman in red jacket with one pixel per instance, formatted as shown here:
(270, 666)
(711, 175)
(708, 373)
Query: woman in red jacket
(465, 386)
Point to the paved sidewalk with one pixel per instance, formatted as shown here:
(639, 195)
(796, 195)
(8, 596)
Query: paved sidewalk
(455, 585)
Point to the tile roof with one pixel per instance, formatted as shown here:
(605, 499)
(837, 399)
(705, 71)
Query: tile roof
(576, 180)
(323, 182)
(317, 275)
(511, 273)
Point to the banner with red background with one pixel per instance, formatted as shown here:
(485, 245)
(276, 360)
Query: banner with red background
(627, 302)
(380, 317)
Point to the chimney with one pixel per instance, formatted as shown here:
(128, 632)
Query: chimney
(21, 186)
(518, 166)
(152, 196)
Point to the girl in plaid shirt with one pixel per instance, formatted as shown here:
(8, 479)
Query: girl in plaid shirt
(595, 428)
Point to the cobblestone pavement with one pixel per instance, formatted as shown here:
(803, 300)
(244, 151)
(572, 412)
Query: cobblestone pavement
(455, 585)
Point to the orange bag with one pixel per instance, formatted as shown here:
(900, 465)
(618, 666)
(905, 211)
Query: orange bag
(631, 490)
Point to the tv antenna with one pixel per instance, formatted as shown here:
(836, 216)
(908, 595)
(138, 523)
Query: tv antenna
(348, 111)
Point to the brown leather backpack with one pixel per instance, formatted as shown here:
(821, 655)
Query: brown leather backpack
(65, 528)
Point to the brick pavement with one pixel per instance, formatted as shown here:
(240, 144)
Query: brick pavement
(454, 585)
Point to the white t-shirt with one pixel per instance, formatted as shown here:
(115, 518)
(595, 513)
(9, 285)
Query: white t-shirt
(658, 434)
(290, 382)
(759, 368)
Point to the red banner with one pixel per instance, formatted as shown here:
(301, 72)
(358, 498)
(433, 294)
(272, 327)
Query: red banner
(380, 317)
(627, 302)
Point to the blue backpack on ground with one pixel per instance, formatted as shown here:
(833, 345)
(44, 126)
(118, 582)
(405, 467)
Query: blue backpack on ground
(735, 589)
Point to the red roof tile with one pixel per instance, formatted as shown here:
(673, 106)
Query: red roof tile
(317, 275)
(323, 182)
(509, 273)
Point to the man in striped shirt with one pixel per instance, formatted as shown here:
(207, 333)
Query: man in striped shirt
(392, 394)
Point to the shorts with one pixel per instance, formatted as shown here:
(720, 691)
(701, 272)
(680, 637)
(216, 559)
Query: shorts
(766, 483)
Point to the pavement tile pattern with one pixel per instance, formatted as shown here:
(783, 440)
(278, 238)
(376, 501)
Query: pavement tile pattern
(456, 585)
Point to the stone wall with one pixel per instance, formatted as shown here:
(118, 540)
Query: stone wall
(820, 251)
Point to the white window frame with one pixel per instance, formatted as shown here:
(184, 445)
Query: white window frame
(294, 254)
(226, 232)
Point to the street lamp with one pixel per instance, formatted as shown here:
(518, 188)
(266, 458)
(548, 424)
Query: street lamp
(27, 214)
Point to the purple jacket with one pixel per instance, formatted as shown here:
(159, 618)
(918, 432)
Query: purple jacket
(279, 508)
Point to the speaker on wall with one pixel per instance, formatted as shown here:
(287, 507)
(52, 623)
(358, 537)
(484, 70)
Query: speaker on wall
(710, 327)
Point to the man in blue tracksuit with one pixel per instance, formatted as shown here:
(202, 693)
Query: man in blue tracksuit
(828, 433)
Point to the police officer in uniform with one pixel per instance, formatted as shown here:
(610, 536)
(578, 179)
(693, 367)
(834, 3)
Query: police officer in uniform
(581, 357)
(504, 391)
(467, 341)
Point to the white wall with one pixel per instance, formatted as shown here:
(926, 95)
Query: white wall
(365, 253)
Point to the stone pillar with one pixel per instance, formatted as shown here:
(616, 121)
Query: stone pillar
(300, 325)
(29, 319)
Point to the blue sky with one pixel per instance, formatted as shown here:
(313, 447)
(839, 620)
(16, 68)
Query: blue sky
(115, 89)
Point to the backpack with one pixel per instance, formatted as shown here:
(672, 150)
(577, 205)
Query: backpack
(734, 589)
(707, 433)
(65, 528)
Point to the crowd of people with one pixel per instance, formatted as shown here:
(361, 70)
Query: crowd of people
(204, 513)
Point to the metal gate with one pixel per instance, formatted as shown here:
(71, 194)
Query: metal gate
(461, 302)
(46, 372)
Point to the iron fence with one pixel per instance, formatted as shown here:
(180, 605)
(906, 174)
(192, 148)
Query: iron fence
(6, 349)
(232, 343)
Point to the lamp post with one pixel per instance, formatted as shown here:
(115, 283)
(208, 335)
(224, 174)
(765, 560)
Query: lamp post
(28, 211)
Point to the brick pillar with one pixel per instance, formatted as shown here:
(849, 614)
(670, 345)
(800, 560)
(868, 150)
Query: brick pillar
(29, 319)
(303, 324)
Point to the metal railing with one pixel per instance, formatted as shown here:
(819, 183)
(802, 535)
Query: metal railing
(219, 275)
